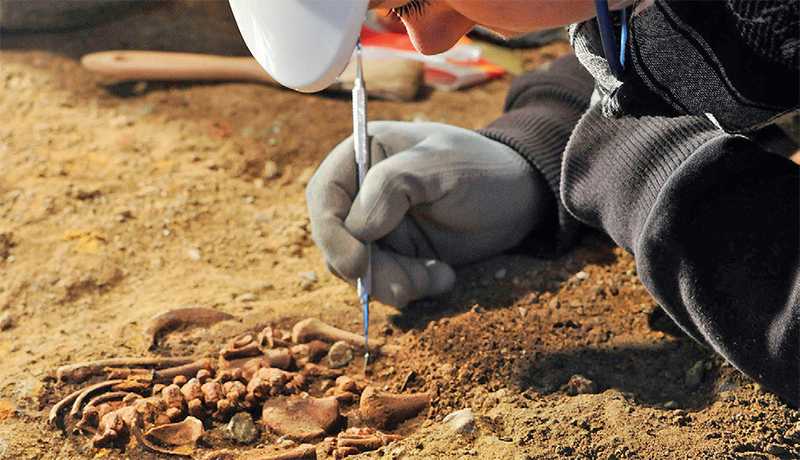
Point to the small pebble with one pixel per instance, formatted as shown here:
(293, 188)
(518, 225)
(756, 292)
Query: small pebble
(727, 385)
(582, 275)
(7, 321)
(145, 110)
(671, 405)
(461, 421)
(340, 355)
(194, 254)
(397, 451)
(246, 297)
(695, 374)
(311, 276)
(580, 385)
(500, 274)
(271, 170)
(242, 429)
(792, 435)
(776, 449)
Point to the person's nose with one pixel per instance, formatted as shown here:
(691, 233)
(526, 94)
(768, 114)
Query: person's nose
(437, 29)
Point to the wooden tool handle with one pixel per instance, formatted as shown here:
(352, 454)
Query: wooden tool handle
(156, 65)
(392, 79)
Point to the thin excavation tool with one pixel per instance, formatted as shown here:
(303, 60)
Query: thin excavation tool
(364, 283)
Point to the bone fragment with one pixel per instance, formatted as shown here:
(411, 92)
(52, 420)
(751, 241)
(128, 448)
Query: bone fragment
(81, 371)
(301, 416)
(181, 316)
(137, 433)
(385, 409)
(188, 370)
(185, 432)
(78, 397)
(105, 397)
(301, 452)
(272, 338)
(313, 329)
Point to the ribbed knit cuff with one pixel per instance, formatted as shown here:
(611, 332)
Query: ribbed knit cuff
(542, 109)
(614, 169)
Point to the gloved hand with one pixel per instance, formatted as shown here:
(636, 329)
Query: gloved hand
(436, 196)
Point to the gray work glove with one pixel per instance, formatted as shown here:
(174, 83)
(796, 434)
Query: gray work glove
(436, 196)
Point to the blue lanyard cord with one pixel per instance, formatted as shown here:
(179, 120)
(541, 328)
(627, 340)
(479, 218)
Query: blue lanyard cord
(615, 58)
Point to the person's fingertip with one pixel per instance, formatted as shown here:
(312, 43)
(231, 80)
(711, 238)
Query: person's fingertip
(441, 277)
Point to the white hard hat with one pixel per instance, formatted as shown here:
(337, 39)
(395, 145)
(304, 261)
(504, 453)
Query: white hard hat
(303, 44)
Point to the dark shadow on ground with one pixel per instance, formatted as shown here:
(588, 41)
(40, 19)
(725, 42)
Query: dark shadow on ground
(528, 324)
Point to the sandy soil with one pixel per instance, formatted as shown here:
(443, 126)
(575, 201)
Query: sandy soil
(122, 201)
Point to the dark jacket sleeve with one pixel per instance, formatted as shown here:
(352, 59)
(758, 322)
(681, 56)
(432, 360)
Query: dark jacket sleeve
(712, 218)
(714, 224)
(540, 113)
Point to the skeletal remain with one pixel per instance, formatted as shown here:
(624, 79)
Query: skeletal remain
(310, 352)
(277, 358)
(181, 316)
(241, 341)
(301, 452)
(354, 441)
(212, 393)
(314, 329)
(125, 372)
(137, 433)
(321, 371)
(186, 431)
(91, 417)
(269, 381)
(225, 410)
(234, 390)
(81, 371)
(249, 350)
(115, 426)
(346, 389)
(203, 375)
(193, 394)
(386, 409)
(76, 398)
(176, 405)
(301, 416)
(105, 397)
(273, 338)
(188, 370)
(192, 389)
(112, 428)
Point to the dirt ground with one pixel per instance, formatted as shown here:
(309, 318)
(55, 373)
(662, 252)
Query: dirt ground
(122, 201)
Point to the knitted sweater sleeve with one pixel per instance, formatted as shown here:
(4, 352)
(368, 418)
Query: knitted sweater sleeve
(541, 111)
(712, 218)
(714, 224)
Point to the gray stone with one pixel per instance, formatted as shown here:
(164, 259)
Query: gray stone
(242, 429)
(695, 374)
(310, 275)
(580, 385)
(727, 385)
(792, 435)
(461, 421)
(397, 452)
(7, 321)
(776, 449)
(246, 297)
(340, 355)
